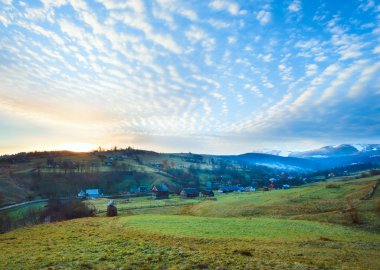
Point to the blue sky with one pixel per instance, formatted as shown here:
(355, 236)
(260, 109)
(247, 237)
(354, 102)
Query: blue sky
(216, 76)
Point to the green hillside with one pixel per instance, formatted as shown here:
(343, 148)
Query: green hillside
(182, 242)
(326, 202)
(299, 228)
(35, 175)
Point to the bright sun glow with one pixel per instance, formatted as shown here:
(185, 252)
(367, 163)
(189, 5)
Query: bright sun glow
(76, 147)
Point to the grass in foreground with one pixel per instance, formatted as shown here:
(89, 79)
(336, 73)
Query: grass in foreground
(182, 242)
(264, 229)
(264, 234)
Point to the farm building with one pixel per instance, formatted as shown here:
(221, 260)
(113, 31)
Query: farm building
(249, 189)
(81, 194)
(142, 189)
(90, 193)
(207, 193)
(160, 191)
(189, 193)
(227, 189)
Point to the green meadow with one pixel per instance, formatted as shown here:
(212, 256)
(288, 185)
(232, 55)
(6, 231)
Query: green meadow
(244, 228)
(301, 228)
(124, 205)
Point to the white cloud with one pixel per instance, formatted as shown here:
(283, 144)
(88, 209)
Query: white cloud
(208, 80)
(254, 89)
(231, 40)
(198, 35)
(7, 2)
(240, 99)
(164, 73)
(135, 5)
(218, 23)
(165, 41)
(295, 6)
(208, 60)
(4, 20)
(268, 57)
(311, 69)
(359, 86)
(232, 7)
(340, 80)
(190, 14)
(264, 17)
(285, 72)
(49, 34)
(366, 5)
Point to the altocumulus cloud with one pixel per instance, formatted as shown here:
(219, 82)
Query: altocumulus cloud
(219, 76)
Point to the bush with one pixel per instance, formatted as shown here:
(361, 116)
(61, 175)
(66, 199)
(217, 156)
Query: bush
(2, 198)
(374, 172)
(5, 223)
(354, 214)
(377, 206)
(30, 217)
(332, 186)
(58, 211)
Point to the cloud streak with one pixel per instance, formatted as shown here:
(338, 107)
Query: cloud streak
(209, 70)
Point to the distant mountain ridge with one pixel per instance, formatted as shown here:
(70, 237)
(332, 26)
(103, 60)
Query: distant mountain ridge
(342, 155)
(338, 150)
(322, 158)
(277, 162)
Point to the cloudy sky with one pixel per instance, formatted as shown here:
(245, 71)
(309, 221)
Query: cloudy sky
(216, 76)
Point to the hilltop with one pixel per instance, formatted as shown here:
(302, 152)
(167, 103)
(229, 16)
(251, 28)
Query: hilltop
(34, 175)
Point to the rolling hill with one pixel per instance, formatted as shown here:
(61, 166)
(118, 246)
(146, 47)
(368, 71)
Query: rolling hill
(41, 174)
(300, 228)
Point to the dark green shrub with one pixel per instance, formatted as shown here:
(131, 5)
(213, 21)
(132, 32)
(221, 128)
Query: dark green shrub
(332, 186)
(57, 210)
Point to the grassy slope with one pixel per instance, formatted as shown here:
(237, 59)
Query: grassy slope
(136, 242)
(273, 240)
(313, 202)
(138, 202)
(15, 179)
(249, 228)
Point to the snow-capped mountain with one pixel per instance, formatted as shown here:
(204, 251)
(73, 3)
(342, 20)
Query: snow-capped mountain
(339, 151)
(342, 155)
(322, 158)
(367, 147)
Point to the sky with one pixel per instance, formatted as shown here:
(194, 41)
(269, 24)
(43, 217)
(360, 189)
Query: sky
(215, 76)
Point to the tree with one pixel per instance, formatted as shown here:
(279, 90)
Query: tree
(164, 164)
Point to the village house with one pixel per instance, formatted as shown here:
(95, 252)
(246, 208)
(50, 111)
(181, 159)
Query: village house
(189, 193)
(142, 189)
(90, 193)
(207, 193)
(160, 191)
(249, 189)
(227, 189)
(108, 162)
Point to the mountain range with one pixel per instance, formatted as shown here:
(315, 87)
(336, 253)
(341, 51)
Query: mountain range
(323, 158)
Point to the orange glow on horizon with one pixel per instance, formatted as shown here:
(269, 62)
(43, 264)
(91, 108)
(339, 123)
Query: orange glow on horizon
(76, 147)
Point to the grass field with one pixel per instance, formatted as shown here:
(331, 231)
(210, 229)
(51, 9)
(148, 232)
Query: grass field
(166, 242)
(302, 228)
(139, 203)
(248, 228)
(313, 202)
